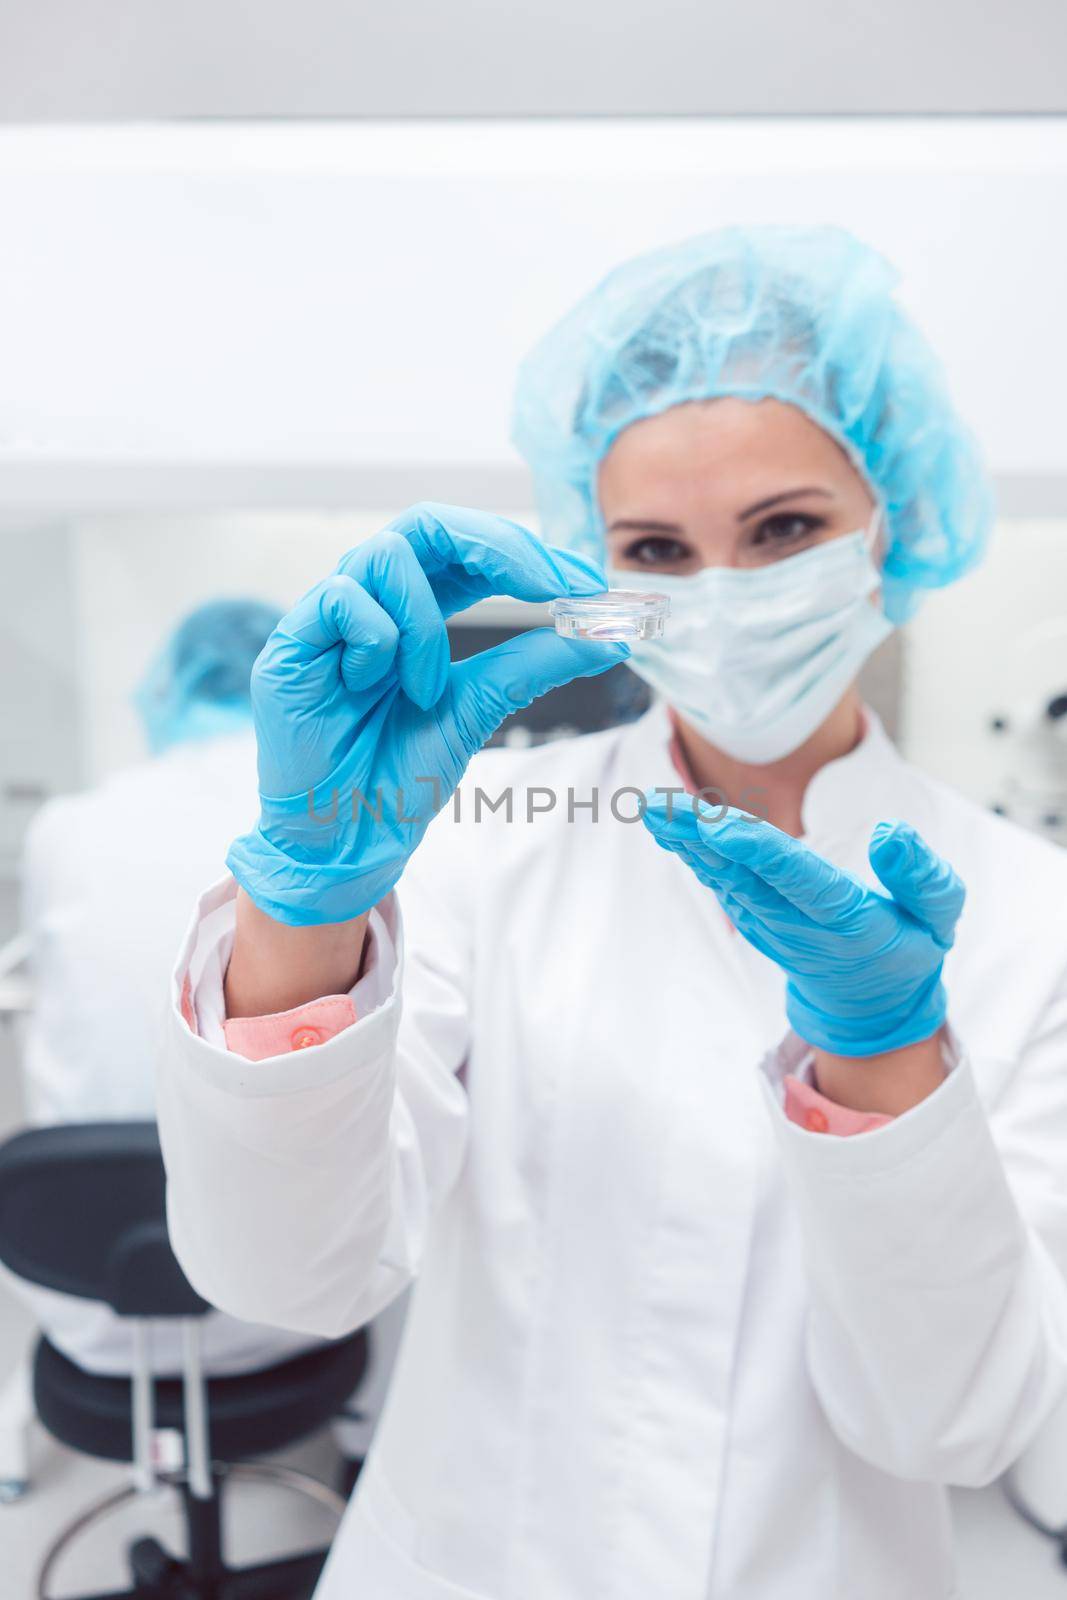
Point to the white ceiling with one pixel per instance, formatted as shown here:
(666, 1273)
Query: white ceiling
(121, 59)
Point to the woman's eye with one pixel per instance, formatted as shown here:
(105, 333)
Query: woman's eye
(656, 550)
(784, 528)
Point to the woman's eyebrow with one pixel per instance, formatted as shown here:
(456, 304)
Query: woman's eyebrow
(776, 499)
(640, 525)
(653, 525)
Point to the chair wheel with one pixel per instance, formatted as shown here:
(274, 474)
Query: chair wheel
(150, 1565)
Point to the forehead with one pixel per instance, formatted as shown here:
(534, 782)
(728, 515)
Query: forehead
(723, 446)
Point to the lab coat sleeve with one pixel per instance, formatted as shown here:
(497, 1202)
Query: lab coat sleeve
(301, 1188)
(936, 1259)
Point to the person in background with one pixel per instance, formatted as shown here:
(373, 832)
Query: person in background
(93, 1037)
(149, 835)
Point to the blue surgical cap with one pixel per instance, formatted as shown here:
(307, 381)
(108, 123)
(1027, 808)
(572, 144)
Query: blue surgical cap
(802, 315)
(198, 684)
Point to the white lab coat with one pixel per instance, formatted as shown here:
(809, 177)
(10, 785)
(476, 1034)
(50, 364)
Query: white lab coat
(664, 1342)
(109, 876)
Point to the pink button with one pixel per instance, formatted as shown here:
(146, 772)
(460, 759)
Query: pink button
(815, 1120)
(303, 1038)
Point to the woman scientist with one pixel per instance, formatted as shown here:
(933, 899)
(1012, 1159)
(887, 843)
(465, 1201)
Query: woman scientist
(731, 1172)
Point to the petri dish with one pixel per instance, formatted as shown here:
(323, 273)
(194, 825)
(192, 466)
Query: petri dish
(615, 614)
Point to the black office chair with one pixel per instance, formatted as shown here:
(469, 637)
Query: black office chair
(82, 1211)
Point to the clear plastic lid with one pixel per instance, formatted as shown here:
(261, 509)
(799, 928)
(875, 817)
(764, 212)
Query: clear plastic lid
(615, 614)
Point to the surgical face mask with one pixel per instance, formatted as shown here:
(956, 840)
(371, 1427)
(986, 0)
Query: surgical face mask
(756, 659)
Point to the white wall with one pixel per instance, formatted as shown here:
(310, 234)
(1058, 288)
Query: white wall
(40, 712)
(182, 303)
(967, 655)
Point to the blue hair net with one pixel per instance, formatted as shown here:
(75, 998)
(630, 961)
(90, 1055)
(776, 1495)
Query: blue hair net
(802, 315)
(198, 684)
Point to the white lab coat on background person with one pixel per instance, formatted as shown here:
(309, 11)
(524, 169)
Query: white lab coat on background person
(97, 947)
(663, 1340)
(106, 897)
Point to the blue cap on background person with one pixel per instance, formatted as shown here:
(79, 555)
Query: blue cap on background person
(805, 315)
(198, 684)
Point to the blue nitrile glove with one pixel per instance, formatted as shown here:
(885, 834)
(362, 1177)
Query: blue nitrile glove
(364, 724)
(863, 969)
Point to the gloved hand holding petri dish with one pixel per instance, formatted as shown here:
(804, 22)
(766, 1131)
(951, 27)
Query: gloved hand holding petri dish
(615, 614)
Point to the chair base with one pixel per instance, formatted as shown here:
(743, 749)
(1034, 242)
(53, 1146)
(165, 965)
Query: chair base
(292, 1578)
(156, 1575)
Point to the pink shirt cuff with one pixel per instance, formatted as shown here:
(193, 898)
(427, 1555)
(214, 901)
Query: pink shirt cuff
(202, 994)
(256, 1038)
(809, 1109)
